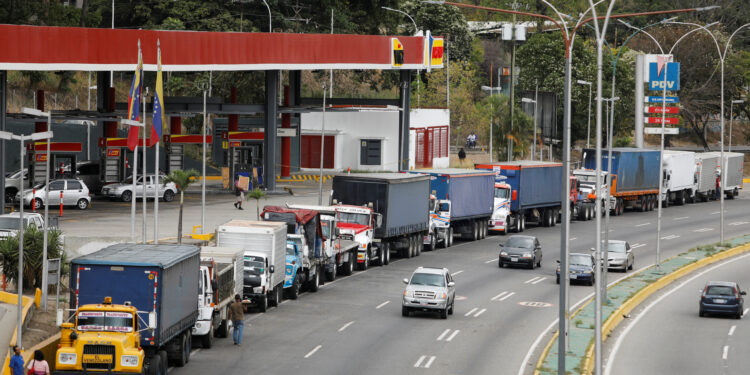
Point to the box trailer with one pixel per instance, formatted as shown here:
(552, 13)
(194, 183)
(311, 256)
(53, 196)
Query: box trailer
(679, 179)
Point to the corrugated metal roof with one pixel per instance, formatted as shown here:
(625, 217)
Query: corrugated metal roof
(390, 177)
(524, 163)
(140, 255)
(451, 171)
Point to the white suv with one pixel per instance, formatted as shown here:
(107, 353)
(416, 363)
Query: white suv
(429, 289)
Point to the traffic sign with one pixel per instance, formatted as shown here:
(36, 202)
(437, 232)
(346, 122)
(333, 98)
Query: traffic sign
(657, 109)
(657, 99)
(666, 130)
(657, 120)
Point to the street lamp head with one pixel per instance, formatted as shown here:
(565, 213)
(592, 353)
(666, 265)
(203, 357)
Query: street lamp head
(6, 135)
(528, 100)
(41, 135)
(738, 101)
(34, 112)
(131, 122)
(582, 82)
(703, 9)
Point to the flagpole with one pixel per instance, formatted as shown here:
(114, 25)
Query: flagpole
(135, 157)
(156, 144)
(145, 171)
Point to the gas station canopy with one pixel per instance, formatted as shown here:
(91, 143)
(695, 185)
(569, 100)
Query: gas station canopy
(88, 49)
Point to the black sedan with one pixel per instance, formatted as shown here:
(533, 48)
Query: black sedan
(722, 297)
(522, 251)
(581, 268)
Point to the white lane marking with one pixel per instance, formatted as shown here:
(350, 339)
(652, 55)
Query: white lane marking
(507, 296)
(429, 362)
(453, 335)
(725, 352)
(642, 224)
(498, 296)
(531, 280)
(670, 237)
(681, 218)
(382, 304)
(715, 213)
(346, 326)
(573, 238)
(442, 335)
(456, 273)
(539, 281)
(313, 351)
(490, 261)
(635, 246)
(703, 230)
(471, 311)
(731, 330)
(746, 310)
(738, 223)
(633, 322)
(480, 313)
(419, 361)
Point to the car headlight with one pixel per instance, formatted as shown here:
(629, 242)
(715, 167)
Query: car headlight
(445, 296)
(503, 253)
(363, 246)
(526, 255)
(67, 358)
(408, 293)
(129, 361)
(258, 289)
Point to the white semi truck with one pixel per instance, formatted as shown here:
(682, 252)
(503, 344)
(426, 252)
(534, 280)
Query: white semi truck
(221, 278)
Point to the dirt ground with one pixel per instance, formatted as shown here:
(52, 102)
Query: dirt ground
(41, 326)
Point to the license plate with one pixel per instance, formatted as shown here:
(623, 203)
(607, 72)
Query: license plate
(97, 358)
(720, 300)
(514, 259)
(573, 276)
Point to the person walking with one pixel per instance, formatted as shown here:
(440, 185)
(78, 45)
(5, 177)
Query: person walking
(240, 193)
(38, 365)
(237, 315)
(16, 362)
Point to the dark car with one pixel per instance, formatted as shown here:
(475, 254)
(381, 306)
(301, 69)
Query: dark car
(722, 297)
(522, 251)
(581, 268)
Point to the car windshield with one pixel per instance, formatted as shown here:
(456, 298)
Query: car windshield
(502, 193)
(352, 218)
(617, 247)
(105, 321)
(430, 279)
(519, 242)
(290, 249)
(444, 207)
(720, 290)
(10, 223)
(580, 260)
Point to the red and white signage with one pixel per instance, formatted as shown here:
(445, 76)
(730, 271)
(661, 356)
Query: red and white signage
(660, 109)
(657, 120)
(113, 152)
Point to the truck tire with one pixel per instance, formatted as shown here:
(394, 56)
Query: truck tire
(506, 226)
(386, 253)
(314, 283)
(207, 341)
(681, 198)
(349, 265)
(523, 222)
(364, 265)
(417, 244)
(277, 295)
(555, 214)
(263, 305)
(332, 274)
(406, 253)
(182, 358)
(164, 365)
(450, 237)
(543, 218)
(293, 292)
(665, 204)
(154, 365)
(222, 330)
(431, 246)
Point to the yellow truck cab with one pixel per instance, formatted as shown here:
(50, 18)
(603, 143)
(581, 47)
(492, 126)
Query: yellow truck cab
(101, 338)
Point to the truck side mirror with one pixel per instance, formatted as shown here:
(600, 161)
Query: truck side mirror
(514, 196)
(152, 320)
(59, 317)
(379, 220)
(271, 269)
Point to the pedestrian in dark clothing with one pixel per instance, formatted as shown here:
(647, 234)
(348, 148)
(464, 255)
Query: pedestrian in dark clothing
(240, 193)
(461, 155)
(16, 362)
(237, 315)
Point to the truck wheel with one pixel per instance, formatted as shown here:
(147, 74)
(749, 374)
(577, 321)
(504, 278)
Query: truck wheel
(506, 226)
(332, 275)
(221, 331)
(277, 295)
(263, 304)
(349, 265)
(181, 360)
(386, 253)
(543, 218)
(207, 341)
(381, 257)
(555, 214)
(450, 237)
(418, 244)
(408, 251)
(476, 235)
(154, 365)
(430, 246)
(314, 284)
(681, 198)
(164, 365)
(523, 222)
(665, 204)
(294, 290)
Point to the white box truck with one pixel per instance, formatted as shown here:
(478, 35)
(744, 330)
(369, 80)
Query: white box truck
(679, 178)
(706, 169)
(733, 167)
(221, 278)
(264, 255)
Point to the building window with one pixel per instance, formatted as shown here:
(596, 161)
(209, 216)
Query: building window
(369, 151)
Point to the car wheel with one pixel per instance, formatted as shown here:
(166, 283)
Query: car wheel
(532, 264)
(500, 263)
(539, 262)
(592, 280)
(450, 312)
(631, 265)
(404, 311)
(168, 196)
(444, 313)
(701, 313)
(126, 196)
(37, 204)
(82, 204)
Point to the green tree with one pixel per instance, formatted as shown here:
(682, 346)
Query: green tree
(182, 179)
(256, 194)
(33, 245)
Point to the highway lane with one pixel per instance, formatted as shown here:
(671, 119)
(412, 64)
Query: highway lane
(688, 344)
(341, 330)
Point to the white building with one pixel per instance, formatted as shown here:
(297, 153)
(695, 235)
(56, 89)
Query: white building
(367, 140)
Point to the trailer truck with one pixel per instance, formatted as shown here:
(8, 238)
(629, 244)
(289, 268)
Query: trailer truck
(401, 201)
(221, 278)
(535, 193)
(464, 204)
(264, 248)
(634, 179)
(133, 309)
(733, 168)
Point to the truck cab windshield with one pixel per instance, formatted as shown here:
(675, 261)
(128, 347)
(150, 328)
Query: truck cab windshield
(325, 226)
(105, 321)
(352, 218)
(254, 265)
(502, 193)
(444, 207)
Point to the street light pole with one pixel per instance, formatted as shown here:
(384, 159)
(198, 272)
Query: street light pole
(588, 128)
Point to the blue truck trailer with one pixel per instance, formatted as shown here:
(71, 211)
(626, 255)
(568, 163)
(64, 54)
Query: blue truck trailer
(634, 179)
(160, 281)
(461, 203)
(535, 193)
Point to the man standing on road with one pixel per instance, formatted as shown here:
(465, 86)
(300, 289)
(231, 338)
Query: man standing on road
(16, 362)
(237, 315)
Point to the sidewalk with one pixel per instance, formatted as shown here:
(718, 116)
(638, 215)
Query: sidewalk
(8, 320)
(582, 321)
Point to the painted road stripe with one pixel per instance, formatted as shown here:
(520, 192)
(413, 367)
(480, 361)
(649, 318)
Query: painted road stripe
(637, 245)
(456, 273)
(498, 296)
(731, 330)
(738, 223)
(539, 281)
(490, 261)
(681, 218)
(420, 360)
(313, 351)
(715, 213)
(531, 280)
(382, 304)
(480, 313)
(703, 230)
(471, 311)
(726, 351)
(507, 296)
(442, 335)
(642, 224)
(573, 238)
(746, 310)
(346, 326)
(429, 362)
(670, 237)
(453, 335)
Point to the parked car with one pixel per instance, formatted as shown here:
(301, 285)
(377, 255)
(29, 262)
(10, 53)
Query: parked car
(521, 250)
(722, 297)
(124, 190)
(620, 256)
(74, 193)
(13, 183)
(9, 223)
(429, 289)
(581, 268)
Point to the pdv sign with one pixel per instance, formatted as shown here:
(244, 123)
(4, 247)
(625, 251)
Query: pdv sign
(656, 76)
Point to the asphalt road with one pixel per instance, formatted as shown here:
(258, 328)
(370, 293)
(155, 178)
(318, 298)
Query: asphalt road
(354, 325)
(688, 344)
